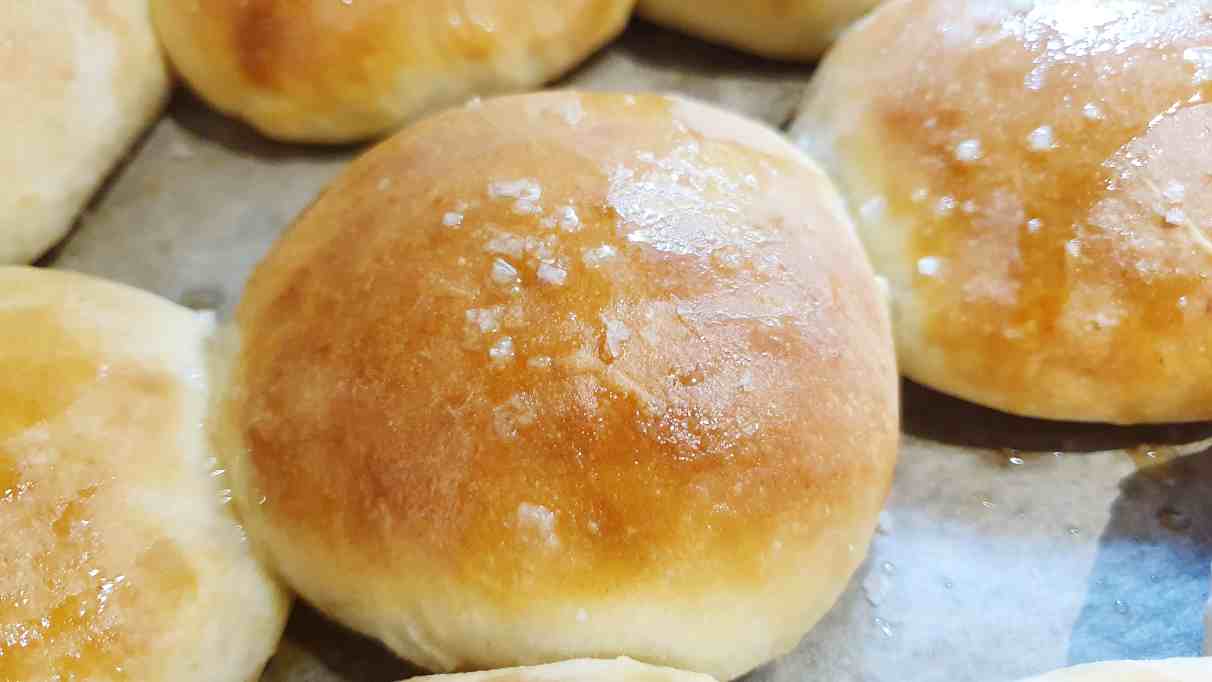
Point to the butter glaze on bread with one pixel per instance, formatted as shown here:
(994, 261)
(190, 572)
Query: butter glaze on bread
(569, 375)
(1034, 179)
(122, 560)
(797, 30)
(341, 71)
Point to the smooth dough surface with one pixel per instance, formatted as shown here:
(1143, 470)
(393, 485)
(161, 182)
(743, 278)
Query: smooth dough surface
(79, 81)
(783, 29)
(1033, 178)
(1172, 670)
(569, 375)
(580, 670)
(345, 70)
(122, 559)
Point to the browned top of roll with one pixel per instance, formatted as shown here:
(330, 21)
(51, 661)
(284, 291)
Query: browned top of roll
(580, 339)
(281, 44)
(341, 70)
(121, 559)
(1037, 174)
(782, 29)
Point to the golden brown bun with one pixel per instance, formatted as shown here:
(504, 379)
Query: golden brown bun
(78, 82)
(1173, 670)
(782, 29)
(121, 558)
(344, 70)
(523, 387)
(579, 670)
(1033, 180)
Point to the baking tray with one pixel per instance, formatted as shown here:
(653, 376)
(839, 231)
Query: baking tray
(1010, 546)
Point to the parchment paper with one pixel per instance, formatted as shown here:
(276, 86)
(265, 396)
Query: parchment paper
(1010, 547)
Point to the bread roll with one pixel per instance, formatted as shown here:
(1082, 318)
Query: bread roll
(580, 670)
(1208, 628)
(1033, 180)
(121, 558)
(345, 70)
(1173, 670)
(525, 386)
(782, 29)
(78, 82)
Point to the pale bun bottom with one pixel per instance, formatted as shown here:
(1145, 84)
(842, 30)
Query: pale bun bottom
(579, 670)
(1172, 670)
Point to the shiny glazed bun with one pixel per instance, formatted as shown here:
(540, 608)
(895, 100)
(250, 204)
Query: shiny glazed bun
(121, 558)
(580, 670)
(1035, 181)
(1172, 670)
(79, 81)
(781, 29)
(344, 70)
(569, 375)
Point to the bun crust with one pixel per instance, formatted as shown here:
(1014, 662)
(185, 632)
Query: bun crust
(1032, 179)
(121, 558)
(80, 81)
(556, 375)
(799, 30)
(334, 71)
(580, 670)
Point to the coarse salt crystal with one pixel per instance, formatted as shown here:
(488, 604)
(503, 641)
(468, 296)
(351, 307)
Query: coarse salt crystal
(502, 350)
(930, 266)
(503, 272)
(969, 151)
(552, 274)
(1041, 139)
